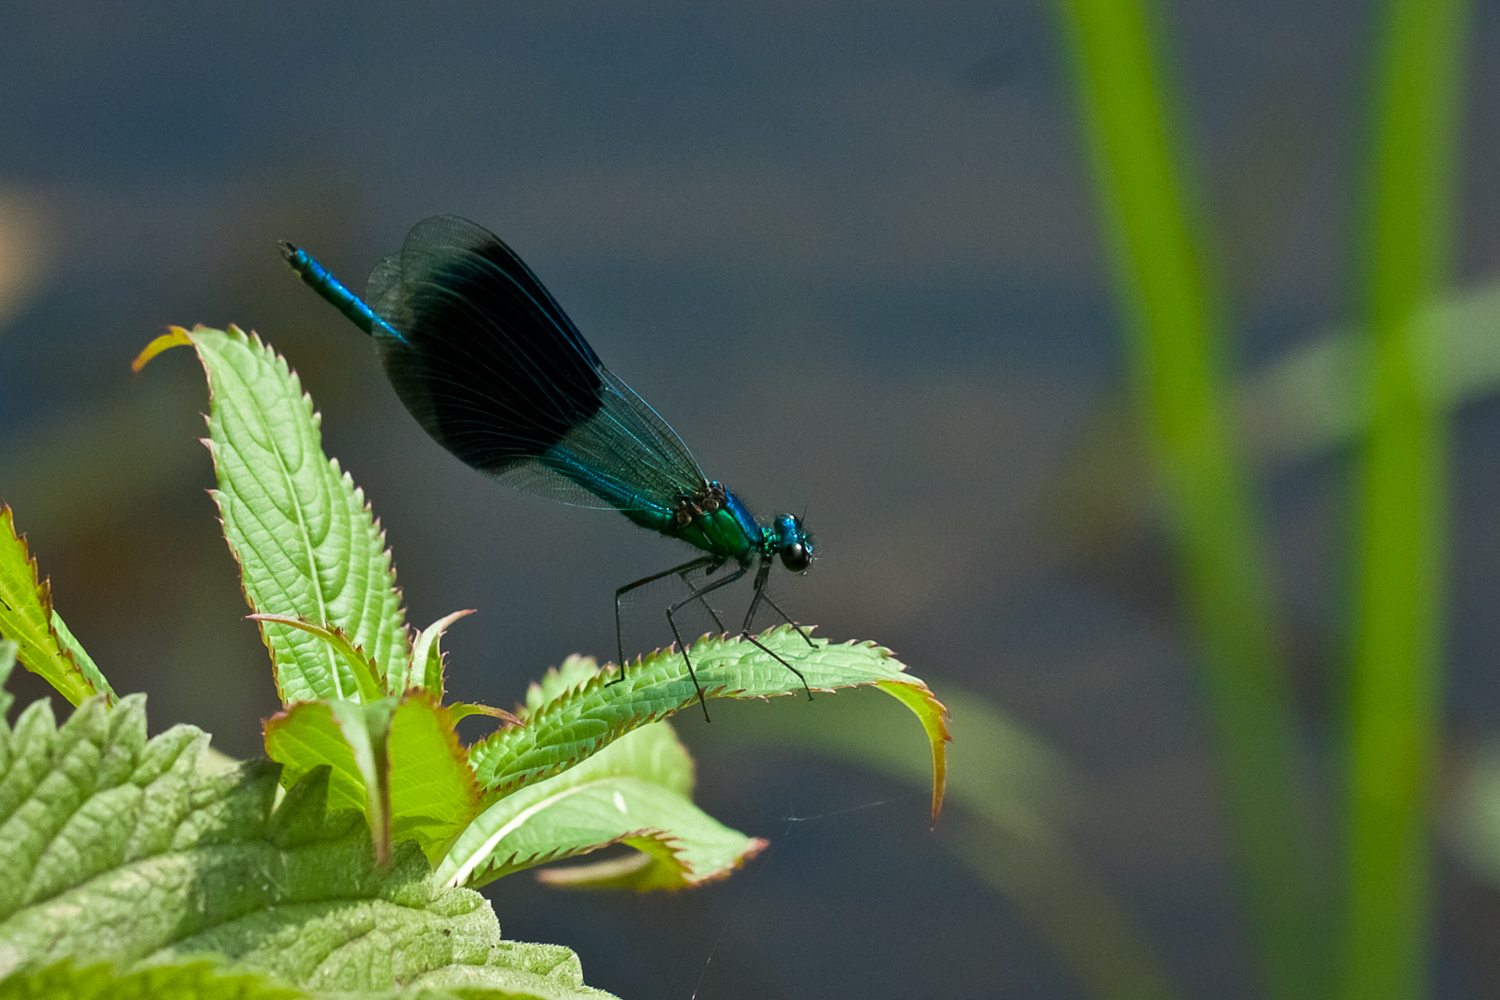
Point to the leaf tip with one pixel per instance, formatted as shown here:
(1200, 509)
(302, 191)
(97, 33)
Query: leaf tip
(175, 336)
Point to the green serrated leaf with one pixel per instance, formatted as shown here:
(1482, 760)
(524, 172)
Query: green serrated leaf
(81, 657)
(585, 718)
(366, 673)
(557, 681)
(433, 792)
(367, 730)
(190, 980)
(209, 980)
(307, 544)
(426, 666)
(7, 664)
(26, 618)
(680, 844)
(464, 709)
(636, 791)
(305, 736)
(115, 849)
(651, 753)
(700, 850)
(94, 823)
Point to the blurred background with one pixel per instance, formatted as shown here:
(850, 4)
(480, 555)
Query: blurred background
(850, 252)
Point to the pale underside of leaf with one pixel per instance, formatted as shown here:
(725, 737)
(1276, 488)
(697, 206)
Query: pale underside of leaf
(689, 846)
(636, 790)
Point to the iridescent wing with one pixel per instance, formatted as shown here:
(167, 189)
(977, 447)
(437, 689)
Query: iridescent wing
(498, 374)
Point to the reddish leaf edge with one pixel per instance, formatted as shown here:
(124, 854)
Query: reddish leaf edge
(913, 693)
(366, 670)
(42, 586)
(585, 876)
(178, 336)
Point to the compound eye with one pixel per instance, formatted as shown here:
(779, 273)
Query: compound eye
(795, 557)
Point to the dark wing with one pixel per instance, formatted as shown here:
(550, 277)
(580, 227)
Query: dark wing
(495, 371)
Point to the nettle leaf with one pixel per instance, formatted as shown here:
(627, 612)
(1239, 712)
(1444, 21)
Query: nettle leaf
(190, 980)
(7, 664)
(45, 646)
(433, 792)
(635, 791)
(304, 736)
(555, 978)
(410, 754)
(573, 672)
(122, 850)
(74, 649)
(366, 728)
(677, 844)
(583, 719)
(364, 669)
(426, 666)
(349, 738)
(307, 544)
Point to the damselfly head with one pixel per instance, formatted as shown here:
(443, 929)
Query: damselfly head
(793, 543)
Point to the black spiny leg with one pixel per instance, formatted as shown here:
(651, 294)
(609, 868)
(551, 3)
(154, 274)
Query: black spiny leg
(697, 595)
(772, 654)
(706, 606)
(788, 619)
(761, 575)
(682, 571)
(760, 594)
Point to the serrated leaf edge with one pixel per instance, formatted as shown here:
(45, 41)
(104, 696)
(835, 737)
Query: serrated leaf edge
(474, 796)
(428, 642)
(366, 671)
(578, 876)
(253, 341)
(482, 860)
(545, 713)
(41, 588)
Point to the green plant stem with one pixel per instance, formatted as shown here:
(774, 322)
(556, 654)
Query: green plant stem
(1174, 348)
(1394, 686)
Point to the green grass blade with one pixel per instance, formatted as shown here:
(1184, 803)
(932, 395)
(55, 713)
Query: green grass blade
(1394, 688)
(1102, 946)
(1303, 405)
(1175, 351)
